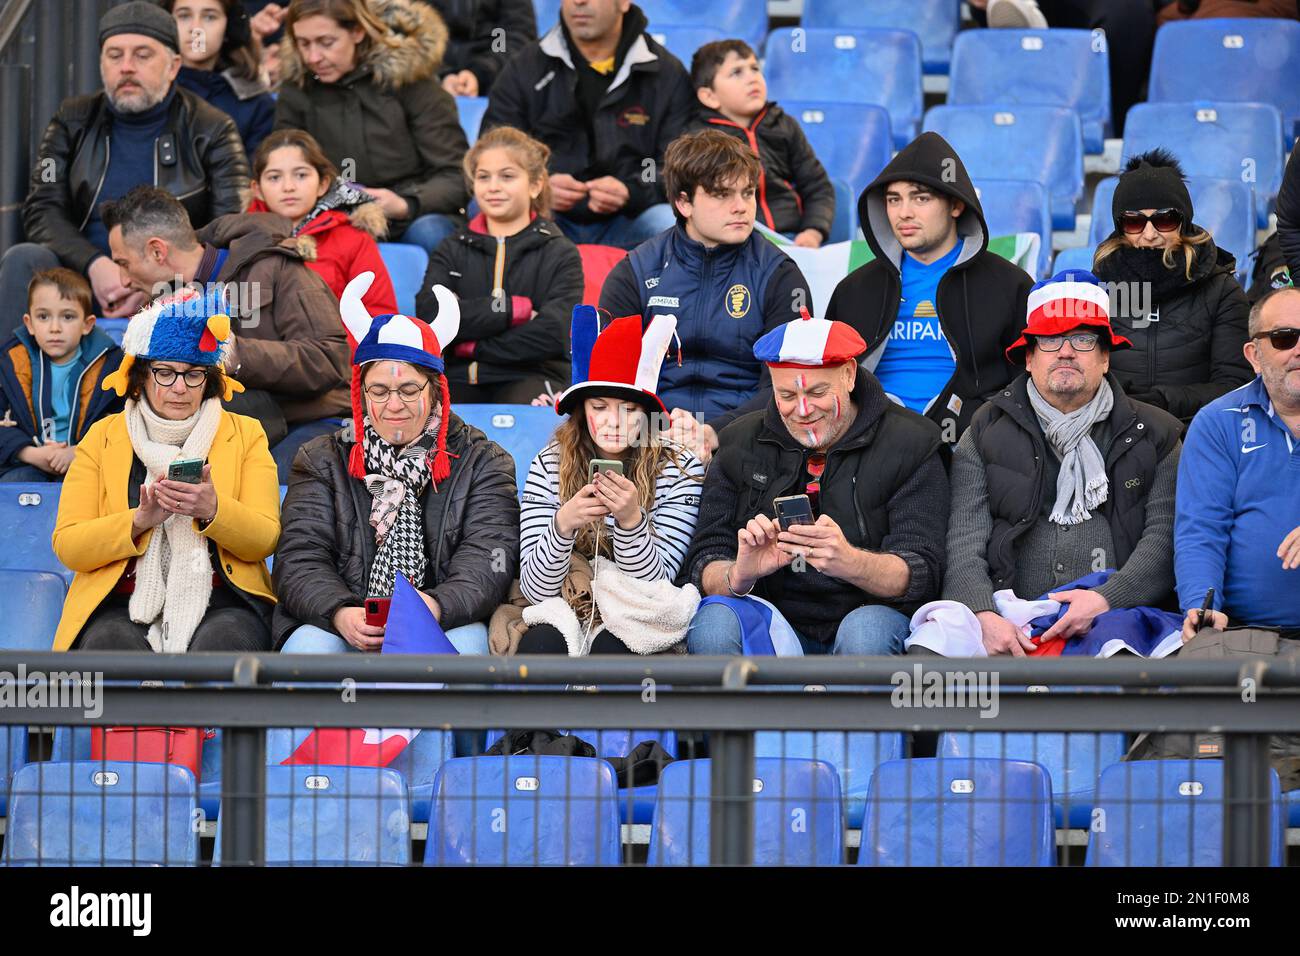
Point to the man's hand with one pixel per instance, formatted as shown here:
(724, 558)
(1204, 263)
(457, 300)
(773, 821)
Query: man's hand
(566, 192)
(1215, 619)
(464, 83)
(1084, 607)
(695, 435)
(809, 239)
(607, 195)
(267, 20)
(394, 206)
(118, 301)
(579, 511)
(42, 456)
(757, 553)
(618, 494)
(1000, 636)
(823, 546)
(197, 501)
(350, 622)
(61, 459)
(544, 400)
(1289, 551)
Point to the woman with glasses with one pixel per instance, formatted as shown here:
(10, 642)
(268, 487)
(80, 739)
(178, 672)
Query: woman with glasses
(1173, 293)
(171, 507)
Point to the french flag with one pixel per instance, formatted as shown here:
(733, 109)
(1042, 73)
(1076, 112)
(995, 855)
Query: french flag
(411, 629)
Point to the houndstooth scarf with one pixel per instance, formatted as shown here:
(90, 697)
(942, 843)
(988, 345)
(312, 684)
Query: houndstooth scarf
(396, 477)
(1082, 484)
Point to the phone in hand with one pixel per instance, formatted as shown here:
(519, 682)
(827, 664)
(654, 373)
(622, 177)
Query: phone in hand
(598, 465)
(189, 470)
(377, 611)
(792, 510)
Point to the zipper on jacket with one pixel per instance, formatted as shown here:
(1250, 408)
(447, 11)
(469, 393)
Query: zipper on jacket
(108, 158)
(1154, 328)
(752, 138)
(857, 511)
(499, 272)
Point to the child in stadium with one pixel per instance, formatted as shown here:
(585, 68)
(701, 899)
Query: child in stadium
(795, 196)
(50, 372)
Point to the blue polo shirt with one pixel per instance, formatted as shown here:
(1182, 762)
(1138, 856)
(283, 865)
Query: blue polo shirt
(1238, 497)
(917, 362)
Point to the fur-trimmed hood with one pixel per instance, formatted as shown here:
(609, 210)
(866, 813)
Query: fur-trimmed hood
(418, 40)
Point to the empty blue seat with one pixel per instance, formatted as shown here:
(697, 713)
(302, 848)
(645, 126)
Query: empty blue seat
(1074, 761)
(470, 110)
(1039, 143)
(13, 754)
(1240, 141)
(1013, 68)
(70, 743)
(406, 265)
(524, 811)
(845, 224)
(522, 430)
(1244, 60)
(798, 814)
(1017, 205)
(682, 40)
(746, 19)
(548, 14)
(852, 140)
(850, 66)
(27, 516)
(935, 22)
(90, 813)
(114, 328)
(31, 603)
(1079, 257)
(958, 812)
(854, 754)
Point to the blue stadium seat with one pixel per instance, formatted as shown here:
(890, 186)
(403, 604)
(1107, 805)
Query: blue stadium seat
(70, 743)
(1073, 761)
(114, 328)
(1239, 141)
(406, 265)
(746, 19)
(798, 814)
(935, 22)
(854, 754)
(524, 811)
(31, 603)
(958, 812)
(471, 110)
(682, 40)
(852, 140)
(210, 777)
(850, 66)
(1167, 813)
(13, 754)
(93, 813)
(522, 430)
(1040, 143)
(27, 515)
(845, 224)
(1079, 257)
(1017, 205)
(1245, 60)
(1292, 798)
(334, 816)
(1013, 68)
(548, 14)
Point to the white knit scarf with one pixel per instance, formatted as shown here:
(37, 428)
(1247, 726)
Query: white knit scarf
(173, 580)
(1082, 485)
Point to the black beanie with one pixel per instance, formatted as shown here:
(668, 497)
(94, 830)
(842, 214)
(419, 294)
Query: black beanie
(143, 17)
(1149, 186)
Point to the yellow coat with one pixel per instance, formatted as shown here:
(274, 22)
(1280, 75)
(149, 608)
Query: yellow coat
(92, 535)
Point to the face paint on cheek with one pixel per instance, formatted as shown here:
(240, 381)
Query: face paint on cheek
(397, 437)
(812, 436)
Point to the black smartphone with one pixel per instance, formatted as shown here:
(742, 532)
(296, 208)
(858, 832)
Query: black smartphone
(793, 510)
(189, 470)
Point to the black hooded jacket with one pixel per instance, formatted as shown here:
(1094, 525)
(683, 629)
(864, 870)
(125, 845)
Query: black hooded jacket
(981, 299)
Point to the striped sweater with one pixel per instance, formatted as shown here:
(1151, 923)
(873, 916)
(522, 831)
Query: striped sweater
(651, 551)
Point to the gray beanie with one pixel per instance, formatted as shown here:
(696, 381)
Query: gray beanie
(143, 17)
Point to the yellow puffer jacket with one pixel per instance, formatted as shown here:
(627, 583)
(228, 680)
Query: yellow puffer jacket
(92, 534)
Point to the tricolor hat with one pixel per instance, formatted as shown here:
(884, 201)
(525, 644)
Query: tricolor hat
(618, 361)
(187, 326)
(806, 342)
(1066, 301)
(398, 338)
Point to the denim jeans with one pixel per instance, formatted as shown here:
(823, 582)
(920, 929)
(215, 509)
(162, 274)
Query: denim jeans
(871, 630)
(309, 639)
(428, 231)
(27, 474)
(619, 230)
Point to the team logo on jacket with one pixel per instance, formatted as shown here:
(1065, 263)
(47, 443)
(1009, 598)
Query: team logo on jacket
(738, 300)
(633, 116)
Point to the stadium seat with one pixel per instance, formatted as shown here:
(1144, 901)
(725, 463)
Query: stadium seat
(798, 814)
(852, 140)
(334, 816)
(854, 755)
(935, 22)
(1292, 798)
(1167, 813)
(845, 224)
(1017, 205)
(406, 265)
(746, 19)
(93, 813)
(1040, 143)
(958, 812)
(114, 328)
(1073, 761)
(682, 40)
(27, 515)
(850, 66)
(13, 754)
(471, 110)
(522, 430)
(210, 777)
(1013, 68)
(548, 14)
(1079, 257)
(524, 811)
(31, 603)
(1245, 61)
(1239, 141)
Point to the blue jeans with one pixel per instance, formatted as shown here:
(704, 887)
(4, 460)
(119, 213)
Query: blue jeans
(428, 231)
(287, 447)
(28, 474)
(618, 230)
(309, 639)
(872, 630)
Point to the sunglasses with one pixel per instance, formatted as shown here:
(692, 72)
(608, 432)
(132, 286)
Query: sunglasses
(1165, 220)
(1284, 340)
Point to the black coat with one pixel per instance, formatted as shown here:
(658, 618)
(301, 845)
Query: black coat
(474, 44)
(1288, 214)
(327, 546)
(540, 263)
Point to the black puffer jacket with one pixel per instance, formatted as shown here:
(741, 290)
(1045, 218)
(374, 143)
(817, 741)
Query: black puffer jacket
(1187, 335)
(475, 44)
(327, 547)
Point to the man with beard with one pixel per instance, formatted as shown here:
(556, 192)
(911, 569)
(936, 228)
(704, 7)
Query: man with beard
(877, 492)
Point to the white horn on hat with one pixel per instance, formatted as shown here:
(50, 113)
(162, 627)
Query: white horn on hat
(447, 324)
(355, 315)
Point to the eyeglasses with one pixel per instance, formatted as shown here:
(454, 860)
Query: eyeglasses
(1080, 341)
(166, 377)
(1284, 340)
(1165, 220)
(407, 393)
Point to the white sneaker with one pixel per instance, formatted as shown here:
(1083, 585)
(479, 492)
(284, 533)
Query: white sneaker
(1017, 14)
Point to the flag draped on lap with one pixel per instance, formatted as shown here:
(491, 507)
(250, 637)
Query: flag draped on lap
(411, 629)
(763, 631)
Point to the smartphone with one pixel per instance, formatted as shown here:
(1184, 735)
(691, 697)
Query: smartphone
(377, 611)
(186, 469)
(603, 464)
(792, 510)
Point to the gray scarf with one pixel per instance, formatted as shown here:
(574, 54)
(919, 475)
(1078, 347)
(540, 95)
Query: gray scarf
(1082, 484)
